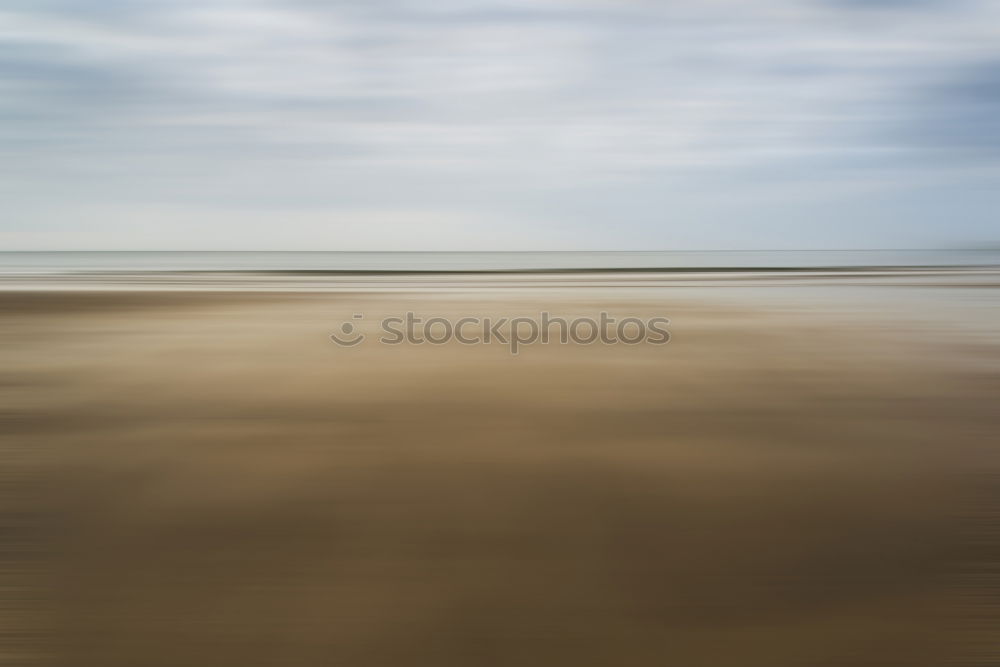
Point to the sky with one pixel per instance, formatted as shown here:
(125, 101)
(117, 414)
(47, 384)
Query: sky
(506, 125)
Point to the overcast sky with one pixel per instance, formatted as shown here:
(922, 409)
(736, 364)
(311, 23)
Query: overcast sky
(515, 124)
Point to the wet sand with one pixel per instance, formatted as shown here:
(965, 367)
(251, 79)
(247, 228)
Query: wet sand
(203, 478)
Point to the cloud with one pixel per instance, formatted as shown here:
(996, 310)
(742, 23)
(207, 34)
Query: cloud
(551, 114)
(960, 115)
(905, 5)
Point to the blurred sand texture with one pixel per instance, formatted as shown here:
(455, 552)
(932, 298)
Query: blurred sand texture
(203, 478)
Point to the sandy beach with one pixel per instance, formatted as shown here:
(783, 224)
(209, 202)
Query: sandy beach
(204, 478)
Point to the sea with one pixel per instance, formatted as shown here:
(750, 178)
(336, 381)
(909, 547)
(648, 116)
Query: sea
(77, 262)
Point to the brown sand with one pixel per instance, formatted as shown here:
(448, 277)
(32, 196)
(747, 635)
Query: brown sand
(205, 479)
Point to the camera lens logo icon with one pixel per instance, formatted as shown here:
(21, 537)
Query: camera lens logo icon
(348, 336)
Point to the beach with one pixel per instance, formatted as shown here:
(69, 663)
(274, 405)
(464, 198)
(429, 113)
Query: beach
(202, 476)
(500, 333)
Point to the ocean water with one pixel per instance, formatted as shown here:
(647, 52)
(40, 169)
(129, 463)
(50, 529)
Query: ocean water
(47, 263)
